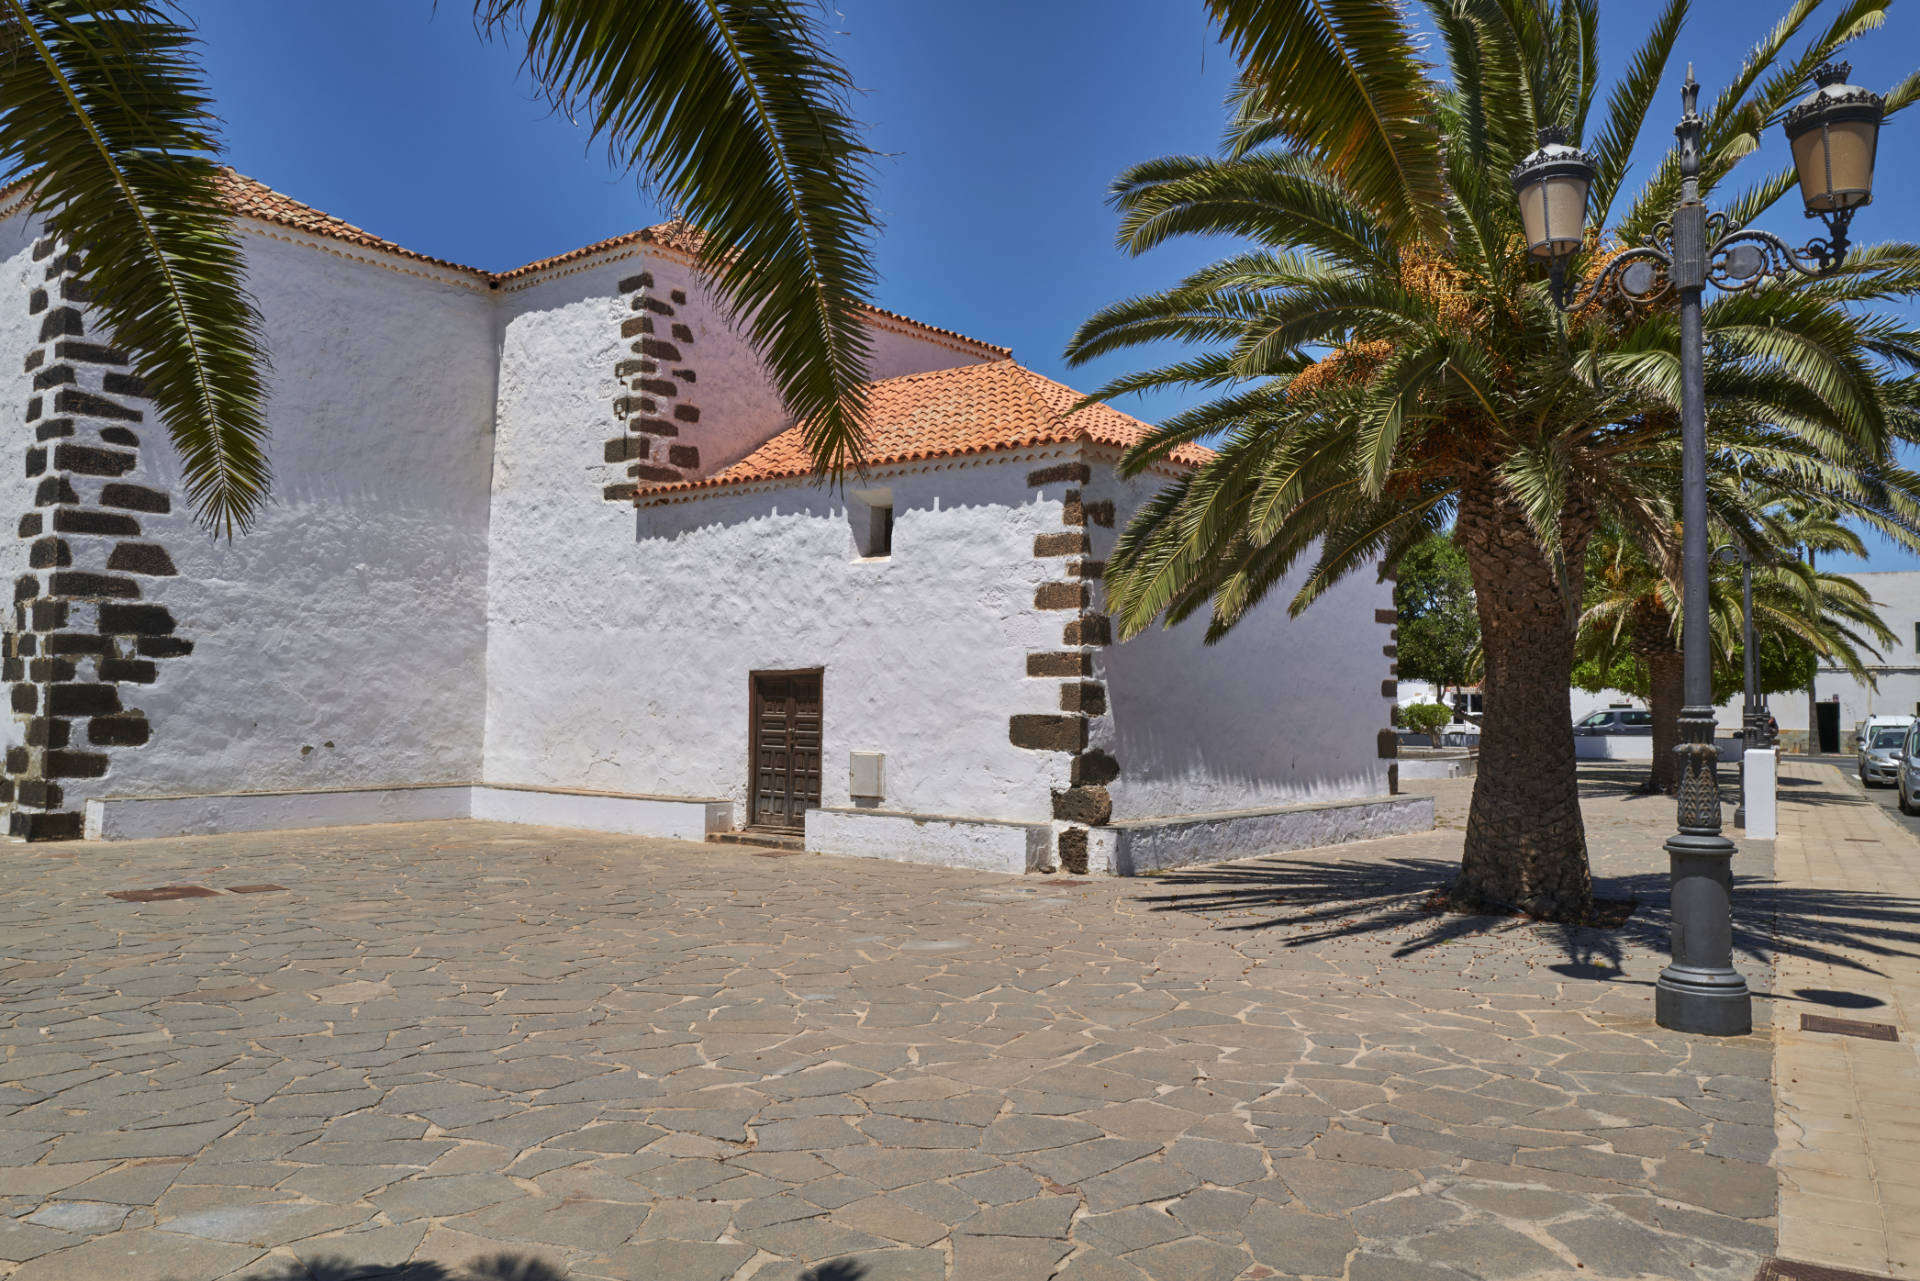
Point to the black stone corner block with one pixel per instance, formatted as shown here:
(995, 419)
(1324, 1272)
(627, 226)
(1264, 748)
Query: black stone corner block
(45, 731)
(1091, 805)
(26, 587)
(621, 493)
(53, 429)
(34, 360)
(90, 353)
(90, 460)
(142, 558)
(119, 436)
(134, 671)
(1094, 768)
(642, 281)
(56, 489)
(71, 400)
(26, 698)
(163, 647)
(36, 302)
(128, 729)
(44, 247)
(85, 520)
(1048, 733)
(1073, 851)
(77, 642)
(61, 322)
(36, 462)
(120, 384)
(133, 498)
(686, 375)
(49, 616)
(136, 620)
(71, 764)
(79, 584)
(82, 700)
(40, 794)
(49, 553)
(53, 376)
(19, 760)
(31, 524)
(44, 826)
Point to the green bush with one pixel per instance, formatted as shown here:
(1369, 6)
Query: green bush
(1426, 717)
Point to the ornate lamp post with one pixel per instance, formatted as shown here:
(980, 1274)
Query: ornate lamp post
(1833, 132)
(1753, 704)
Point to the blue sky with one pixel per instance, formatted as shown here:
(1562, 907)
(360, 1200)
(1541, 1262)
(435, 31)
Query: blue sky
(1001, 124)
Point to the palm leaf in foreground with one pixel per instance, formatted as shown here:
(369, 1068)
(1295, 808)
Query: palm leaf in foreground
(734, 111)
(102, 108)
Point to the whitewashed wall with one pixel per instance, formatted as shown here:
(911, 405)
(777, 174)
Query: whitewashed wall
(1282, 711)
(19, 334)
(341, 641)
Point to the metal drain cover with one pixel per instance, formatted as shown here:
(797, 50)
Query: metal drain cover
(162, 893)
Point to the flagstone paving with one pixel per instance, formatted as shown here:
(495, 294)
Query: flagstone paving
(607, 1057)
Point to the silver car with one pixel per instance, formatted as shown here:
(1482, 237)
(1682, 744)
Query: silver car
(1907, 777)
(1881, 747)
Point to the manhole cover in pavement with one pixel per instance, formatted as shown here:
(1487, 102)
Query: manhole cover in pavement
(162, 893)
(1848, 1027)
(262, 888)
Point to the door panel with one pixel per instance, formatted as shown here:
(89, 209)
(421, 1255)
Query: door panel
(786, 748)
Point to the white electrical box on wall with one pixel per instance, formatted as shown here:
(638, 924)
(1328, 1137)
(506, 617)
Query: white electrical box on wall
(867, 774)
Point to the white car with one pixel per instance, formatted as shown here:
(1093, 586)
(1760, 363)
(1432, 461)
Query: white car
(1880, 737)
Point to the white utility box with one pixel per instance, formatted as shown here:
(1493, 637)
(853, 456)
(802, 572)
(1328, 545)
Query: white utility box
(867, 775)
(1763, 808)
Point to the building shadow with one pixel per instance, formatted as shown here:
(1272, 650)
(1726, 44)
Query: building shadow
(505, 1266)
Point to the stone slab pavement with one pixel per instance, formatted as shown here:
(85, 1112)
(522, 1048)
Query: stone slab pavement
(495, 1052)
(1848, 1108)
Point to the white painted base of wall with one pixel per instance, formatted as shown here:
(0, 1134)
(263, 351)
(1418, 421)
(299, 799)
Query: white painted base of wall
(1762, 801)
(1626, 747)
(982, 844)
(134, 818)
(1438, 767)
(1145, 845)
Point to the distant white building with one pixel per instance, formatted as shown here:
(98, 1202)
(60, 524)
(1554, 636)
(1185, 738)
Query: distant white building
(1840, 700)
(544, 547)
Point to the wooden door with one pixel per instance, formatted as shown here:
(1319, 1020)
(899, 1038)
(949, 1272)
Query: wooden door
(784, 741)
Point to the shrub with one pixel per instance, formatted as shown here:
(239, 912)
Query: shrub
(1427, 717)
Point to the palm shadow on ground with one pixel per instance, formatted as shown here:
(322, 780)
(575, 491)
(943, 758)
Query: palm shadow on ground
(1322, 896)
(499, 1267)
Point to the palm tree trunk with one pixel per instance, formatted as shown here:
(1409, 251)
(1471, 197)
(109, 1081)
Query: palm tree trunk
(1651, 639)
(1526, 846)
(1666, 694)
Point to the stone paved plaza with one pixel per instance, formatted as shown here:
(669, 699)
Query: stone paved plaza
(472, 1050)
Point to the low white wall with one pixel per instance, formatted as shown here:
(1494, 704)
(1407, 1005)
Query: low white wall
(133, 818)
(1212, 838)
(1014, 848)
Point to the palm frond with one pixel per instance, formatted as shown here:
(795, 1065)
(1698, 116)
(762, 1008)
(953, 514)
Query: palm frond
(738, 114)
(102, 106)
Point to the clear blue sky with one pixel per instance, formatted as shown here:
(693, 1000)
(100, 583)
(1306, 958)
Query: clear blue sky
(1002, 122)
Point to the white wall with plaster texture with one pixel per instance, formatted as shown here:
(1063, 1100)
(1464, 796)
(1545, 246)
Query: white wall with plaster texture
(19, 334)
(1280, 712)
(340, 641)
(621, 646)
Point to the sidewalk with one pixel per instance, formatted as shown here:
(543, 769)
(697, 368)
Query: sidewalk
(1847, 1108)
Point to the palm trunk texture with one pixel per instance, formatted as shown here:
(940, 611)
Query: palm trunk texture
(1666, 695)
(1526, 847)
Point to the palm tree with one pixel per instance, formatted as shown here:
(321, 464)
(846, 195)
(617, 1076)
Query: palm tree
(733, 111)
(1633, 608)
(1389, 365)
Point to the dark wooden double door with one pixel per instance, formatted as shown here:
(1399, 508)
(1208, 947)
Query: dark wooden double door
(784, 742)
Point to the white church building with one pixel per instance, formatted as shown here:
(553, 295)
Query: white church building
(543, 547)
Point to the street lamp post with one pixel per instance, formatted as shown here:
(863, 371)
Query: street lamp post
(1753, 704)
(1833, 132)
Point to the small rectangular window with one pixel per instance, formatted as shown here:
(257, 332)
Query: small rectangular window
(880, 533)
(1916, 635)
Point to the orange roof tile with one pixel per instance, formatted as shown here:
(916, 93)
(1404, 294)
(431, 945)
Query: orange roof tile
(254, 199)
(947, 413)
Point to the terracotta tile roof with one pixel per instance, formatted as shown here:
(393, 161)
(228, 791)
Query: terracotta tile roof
(255, 199)
(948, 413)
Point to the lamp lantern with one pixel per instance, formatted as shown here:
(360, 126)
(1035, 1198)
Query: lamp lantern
(1552, 186)
(1834, 132)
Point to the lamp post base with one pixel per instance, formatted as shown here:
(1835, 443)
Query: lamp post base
(1701, 992)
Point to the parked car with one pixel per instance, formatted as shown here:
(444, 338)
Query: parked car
(1881, 739)
(1616, 720)
(1906, 776)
